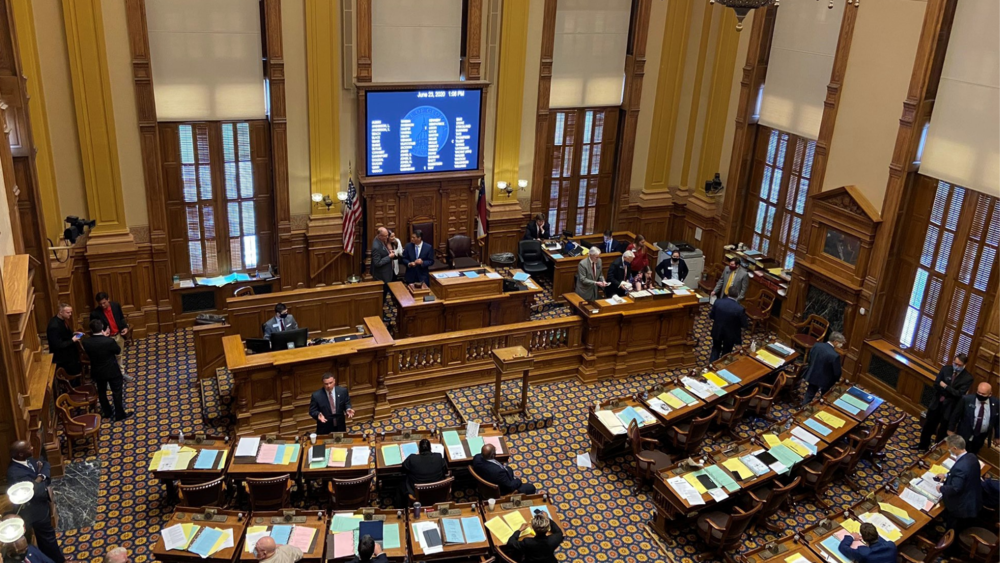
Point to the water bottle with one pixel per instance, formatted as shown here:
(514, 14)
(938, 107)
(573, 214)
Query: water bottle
(180, 438)
(416, 510)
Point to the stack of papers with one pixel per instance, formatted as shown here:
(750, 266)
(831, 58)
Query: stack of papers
(850, 403)
(298, 536)
(801, 448)
(805, 436)
(916, 500)
(211, 459)
(471, 275)
(797, 558)
(247, 447)
(769, 358)
(885, 527)
(627, 415)
(740, 469)
(428, 536)
(278, 454)
(521, 276)
(392, 455)
(360, 456)
(343, 544)
(722, 478)
(658, 405)
(830, 419)
(611, 422)
(337, 457)
(493, 441)
(753, 464)
(927, 488)
(817, 427)
(500, 528)
(685, 490)
(785, 456)
(198, 540)
(897, 512)
(408, 449)
(716, 379)
(729, 376)
(702, 389)
(345, 523)
(830, 545)
(174, 458)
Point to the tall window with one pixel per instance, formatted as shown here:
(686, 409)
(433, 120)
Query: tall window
(239, 195)
(580, 168)
(781, 185)
(950, 281)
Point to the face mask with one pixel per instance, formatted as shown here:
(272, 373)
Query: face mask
(16, 556)
(957, 367)
(676, 260)
(283, 315)
(982, 397)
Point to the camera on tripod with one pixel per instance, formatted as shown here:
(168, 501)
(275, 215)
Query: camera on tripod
(76, 226)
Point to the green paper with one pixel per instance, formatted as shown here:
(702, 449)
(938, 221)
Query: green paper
(475, 445)
(390, 536)
(722, 478)
(345, 523)
(295, 452)
(391, 454)
(684, 396)
(787, 457)
(852, 400)
(451, 438)
(321, 464)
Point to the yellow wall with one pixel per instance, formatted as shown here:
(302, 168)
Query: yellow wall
(734, 101)
(529, 111)
(654, 41)
(293, 27)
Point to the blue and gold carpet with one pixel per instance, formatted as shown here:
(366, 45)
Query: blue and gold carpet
(605, 518)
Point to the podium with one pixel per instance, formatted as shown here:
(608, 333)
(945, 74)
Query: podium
(509, 361)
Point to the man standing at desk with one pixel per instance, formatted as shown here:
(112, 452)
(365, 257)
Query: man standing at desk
(673, 268)
(590, 276)
(282, 321)
(537, 229)
(733, 275)
(618, 276)
(330, 405)
(383, 260)
(950, 385)
(977, 418)
(824, 369)
(418, 257)
(962, 491)
(729, 318)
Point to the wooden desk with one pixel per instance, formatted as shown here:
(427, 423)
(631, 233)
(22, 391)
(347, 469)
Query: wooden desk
(528, 505)
(301, 518)
(323, 471)
(399, 437)
(891, 371)
(840, 389)
(189, 475)
(189, 302)
(811, 412)
(462, 551)
(484, 431)
(461, 304)
(240, 468)
(388, 517)
(224, 519)
(564, 269)
(605, 443)
(779, 551)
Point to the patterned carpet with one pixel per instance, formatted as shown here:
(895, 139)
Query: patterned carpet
(605, 519)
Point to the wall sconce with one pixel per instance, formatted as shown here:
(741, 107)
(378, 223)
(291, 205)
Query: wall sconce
(342, 196)
(324, 199)
(522, 184)
(505, 188)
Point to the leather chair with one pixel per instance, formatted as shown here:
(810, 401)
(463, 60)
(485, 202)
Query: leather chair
(211, 493)
(426, 226)
(688, 436)
(796, 373)
(978, 544)
(487, 490)
(429, 494)
(351, 494)
(243, 291)
(818, 473)
(857, 446)
(809, 332)
(460, 253)
(270, 493)
(529, 254)
(758, 309)
(875, 450)
(709, 278)
(729, 415)
(922, 550)
(762, 403)
(647, 461)
(723, 532)
(75, 427)
(80, 393)
(772, 498)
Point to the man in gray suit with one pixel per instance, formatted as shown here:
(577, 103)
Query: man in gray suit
(733, 275)
(590, 276)
(382, 258)
(282, 321)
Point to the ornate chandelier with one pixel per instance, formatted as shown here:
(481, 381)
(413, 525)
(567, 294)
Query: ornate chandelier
(743, 7)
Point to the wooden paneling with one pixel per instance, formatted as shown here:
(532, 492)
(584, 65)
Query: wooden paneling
(635, 70)
(473, 62)
(325, 311)
(542, 136)
(209, 353)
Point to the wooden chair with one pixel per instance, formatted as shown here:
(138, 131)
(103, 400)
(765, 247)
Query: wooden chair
(270, 493)
(818, 473)
(212, 493)
(76, 427)
(729, 415)
(243, 291)
(978, 544)
(723, 532)
(688, 436)
(460, 253)
(426, 226)
(647, 461)
(875, 450)
(758, 309)
(710, 276)
(487, 490)
(772, 498)
(351, 494)
(857, 448)
(922, 550)
(762, 403)
(80, 393)
(809, 332)
(84, 360)
(795, 375)
(429, 494)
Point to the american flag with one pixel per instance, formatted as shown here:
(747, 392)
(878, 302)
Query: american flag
(352, 215)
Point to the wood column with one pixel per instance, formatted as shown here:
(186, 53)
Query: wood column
(473, 63)
(542, 112)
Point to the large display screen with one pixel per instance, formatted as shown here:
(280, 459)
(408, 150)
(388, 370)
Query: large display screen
(420, 131)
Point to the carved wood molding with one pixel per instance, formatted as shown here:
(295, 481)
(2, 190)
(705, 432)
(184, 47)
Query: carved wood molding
(473, 40)
(364, 39)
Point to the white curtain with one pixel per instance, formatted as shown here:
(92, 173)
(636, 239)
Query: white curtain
(417, 40)
(588, 58)
(206, 59)
(800, 65)
(963, 141)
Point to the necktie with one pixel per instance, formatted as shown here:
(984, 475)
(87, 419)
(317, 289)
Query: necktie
(281, 323)
(609, 246)
(593, 266)
(333, 403)
(954, 374)
(732, 275)
(979, 417)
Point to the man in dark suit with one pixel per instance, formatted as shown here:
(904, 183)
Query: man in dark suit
(729, 319)
(618, 275)
(62, 340)
(382, 260)
(20, 551)
(369, 551)
(824, 369)
(538, 229)
(673, 268)
(951, 384)
(104, 369)
(609, 244)
(962, 491)
(425, 467)
(540, 548)
(418, 257)
(37, 512)
(110, 313)
(977, 418)
(874, 550)
(330, 405)
(486, 466)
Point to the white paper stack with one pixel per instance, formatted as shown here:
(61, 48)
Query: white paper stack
(173, 537)
(418, 531)
(360, 455)
(685, 490)
(611, 422)
(457, 451)
(659, 406)
(702, 390)
(437, 448)
(805, 435)
(247, 447)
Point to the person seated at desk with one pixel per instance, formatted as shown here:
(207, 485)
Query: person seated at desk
(874, 550)
(609, 244)
(540, 548)
(282, 321)
(486, 466)
(20, 551)
(641, 272)
(369, 551)
(425, 467)
(267, 550)
(329, 405)
(417, 257)
(619, 275)
(538, 229)
(673, 268)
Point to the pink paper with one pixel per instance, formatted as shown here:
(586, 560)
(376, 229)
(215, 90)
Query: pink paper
(495, 442)
(839, 534)
(343, 544)
(302, 538)
(267, 453)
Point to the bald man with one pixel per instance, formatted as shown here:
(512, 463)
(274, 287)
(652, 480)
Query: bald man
(977, 418)
(486, 466)
(267, 550)
(117, 555)
(20, 551)
(37, 513)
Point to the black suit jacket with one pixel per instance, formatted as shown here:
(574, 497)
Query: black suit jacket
(953, 393)
(962, 493)
(664, 269)
(419, 273)
(730, 318)
(426, 467)
(116, 312)
(531, 232)
(616, 246)
(824, 366)
(617, 273)
(381, 262)
(64, 351)
(36, 509)
(319, 403)
(102, 351)
(963, 419)
(534, 549)
(380, 558)
(500, 475)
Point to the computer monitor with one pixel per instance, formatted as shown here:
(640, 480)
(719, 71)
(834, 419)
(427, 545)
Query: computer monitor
(289, 339)
(257, 345)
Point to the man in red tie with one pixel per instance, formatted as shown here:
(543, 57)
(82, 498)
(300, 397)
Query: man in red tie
(977, 418)
(330, 405)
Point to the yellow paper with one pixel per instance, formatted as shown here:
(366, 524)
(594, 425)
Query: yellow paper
(770, 358)
(338, 454)
(775, 272)
(938, 469)
(286, 458)
(671, 400)
(830, 420)
(256, 529)
(796, 447)
(184, 459)
(738, 467)
(226, 534)
(771, 440)
(514, 520)
(690, 478)
(851, 525)
(797, 558)
(155, 462)
(499, 528)
(222, 459)
(894, 510)
(186, 449)
(716, 379)
(189, 532)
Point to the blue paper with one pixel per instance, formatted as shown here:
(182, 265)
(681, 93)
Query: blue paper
(205, 541)
(452, 530)
(473, 529)
(628, 415)
(472, 275)
(521, 276)
(848, 408)
(407, 449)
(813, 425)
(557, 256)
(371, 528)
(279, 454)
(206, 459)
(832, 544)
(280, 534)
(728, 376)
